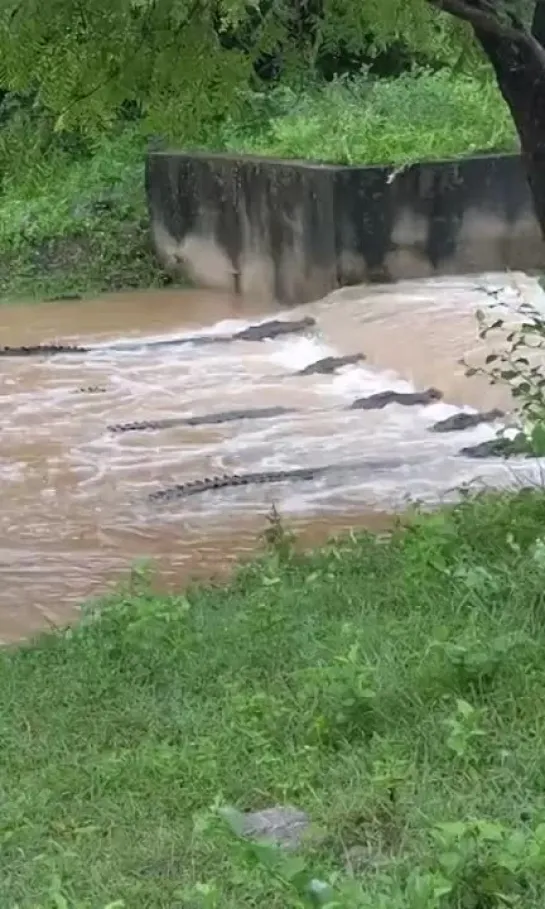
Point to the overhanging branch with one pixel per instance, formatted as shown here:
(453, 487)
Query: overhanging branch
(485, 20)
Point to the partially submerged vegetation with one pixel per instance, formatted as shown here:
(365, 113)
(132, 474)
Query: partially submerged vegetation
(393, 689)
(77, 223)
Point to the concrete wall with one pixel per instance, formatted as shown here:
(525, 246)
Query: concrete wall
(293, 231)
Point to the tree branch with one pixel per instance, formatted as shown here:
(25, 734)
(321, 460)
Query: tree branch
(485, 20)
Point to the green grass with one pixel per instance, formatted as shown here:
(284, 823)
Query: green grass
(386, 687)
(419, 117)
(79, 225)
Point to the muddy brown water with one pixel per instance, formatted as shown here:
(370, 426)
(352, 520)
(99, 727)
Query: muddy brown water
(75, 510)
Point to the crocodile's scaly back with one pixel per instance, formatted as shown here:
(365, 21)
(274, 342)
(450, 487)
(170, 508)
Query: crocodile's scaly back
(193, 487)
(46, 350)
(261, 332)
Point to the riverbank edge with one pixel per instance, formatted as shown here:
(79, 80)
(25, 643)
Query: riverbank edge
(113, 255)
(151, 709)
(77, 225)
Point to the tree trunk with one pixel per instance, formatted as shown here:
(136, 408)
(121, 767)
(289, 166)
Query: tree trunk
(520, 74)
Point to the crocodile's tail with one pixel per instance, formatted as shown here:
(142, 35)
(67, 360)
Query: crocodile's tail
(47, 350)
(195, 486)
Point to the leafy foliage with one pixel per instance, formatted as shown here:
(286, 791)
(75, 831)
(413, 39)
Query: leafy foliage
(79, 77)
(415, 22)
(419, 116)
(518, 363)
(475, 863)
(169, 60)
(84, 60)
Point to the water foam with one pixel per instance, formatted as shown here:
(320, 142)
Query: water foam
(168, 381)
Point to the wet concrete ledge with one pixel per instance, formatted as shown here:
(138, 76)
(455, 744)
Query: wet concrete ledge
(293, 231)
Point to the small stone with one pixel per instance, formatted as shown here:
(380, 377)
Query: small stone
(283, 824)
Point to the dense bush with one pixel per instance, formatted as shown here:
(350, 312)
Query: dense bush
(417, 116)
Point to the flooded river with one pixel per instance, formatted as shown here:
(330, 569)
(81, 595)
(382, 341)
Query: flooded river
(75, 495)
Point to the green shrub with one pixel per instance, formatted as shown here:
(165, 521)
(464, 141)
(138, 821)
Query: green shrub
(416, 117)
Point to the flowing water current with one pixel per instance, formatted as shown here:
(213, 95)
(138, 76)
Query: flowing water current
(76, 508)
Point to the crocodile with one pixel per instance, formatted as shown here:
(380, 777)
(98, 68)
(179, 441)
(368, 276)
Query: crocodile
(374, 401)
(92, 390)
(500, 447)
(460, 421)
(263, 331)
(383, 398)
(328, 365)
(63, 298)
(209, 419)
(47, 350)
(225, 481)
(274, 329)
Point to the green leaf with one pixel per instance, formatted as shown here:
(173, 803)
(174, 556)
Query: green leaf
(538, 439)
(508, 374)
(233, 818)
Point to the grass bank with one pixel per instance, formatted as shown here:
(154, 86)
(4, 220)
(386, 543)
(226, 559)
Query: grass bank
(78, 225)
(75, 225)
(393, 690)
